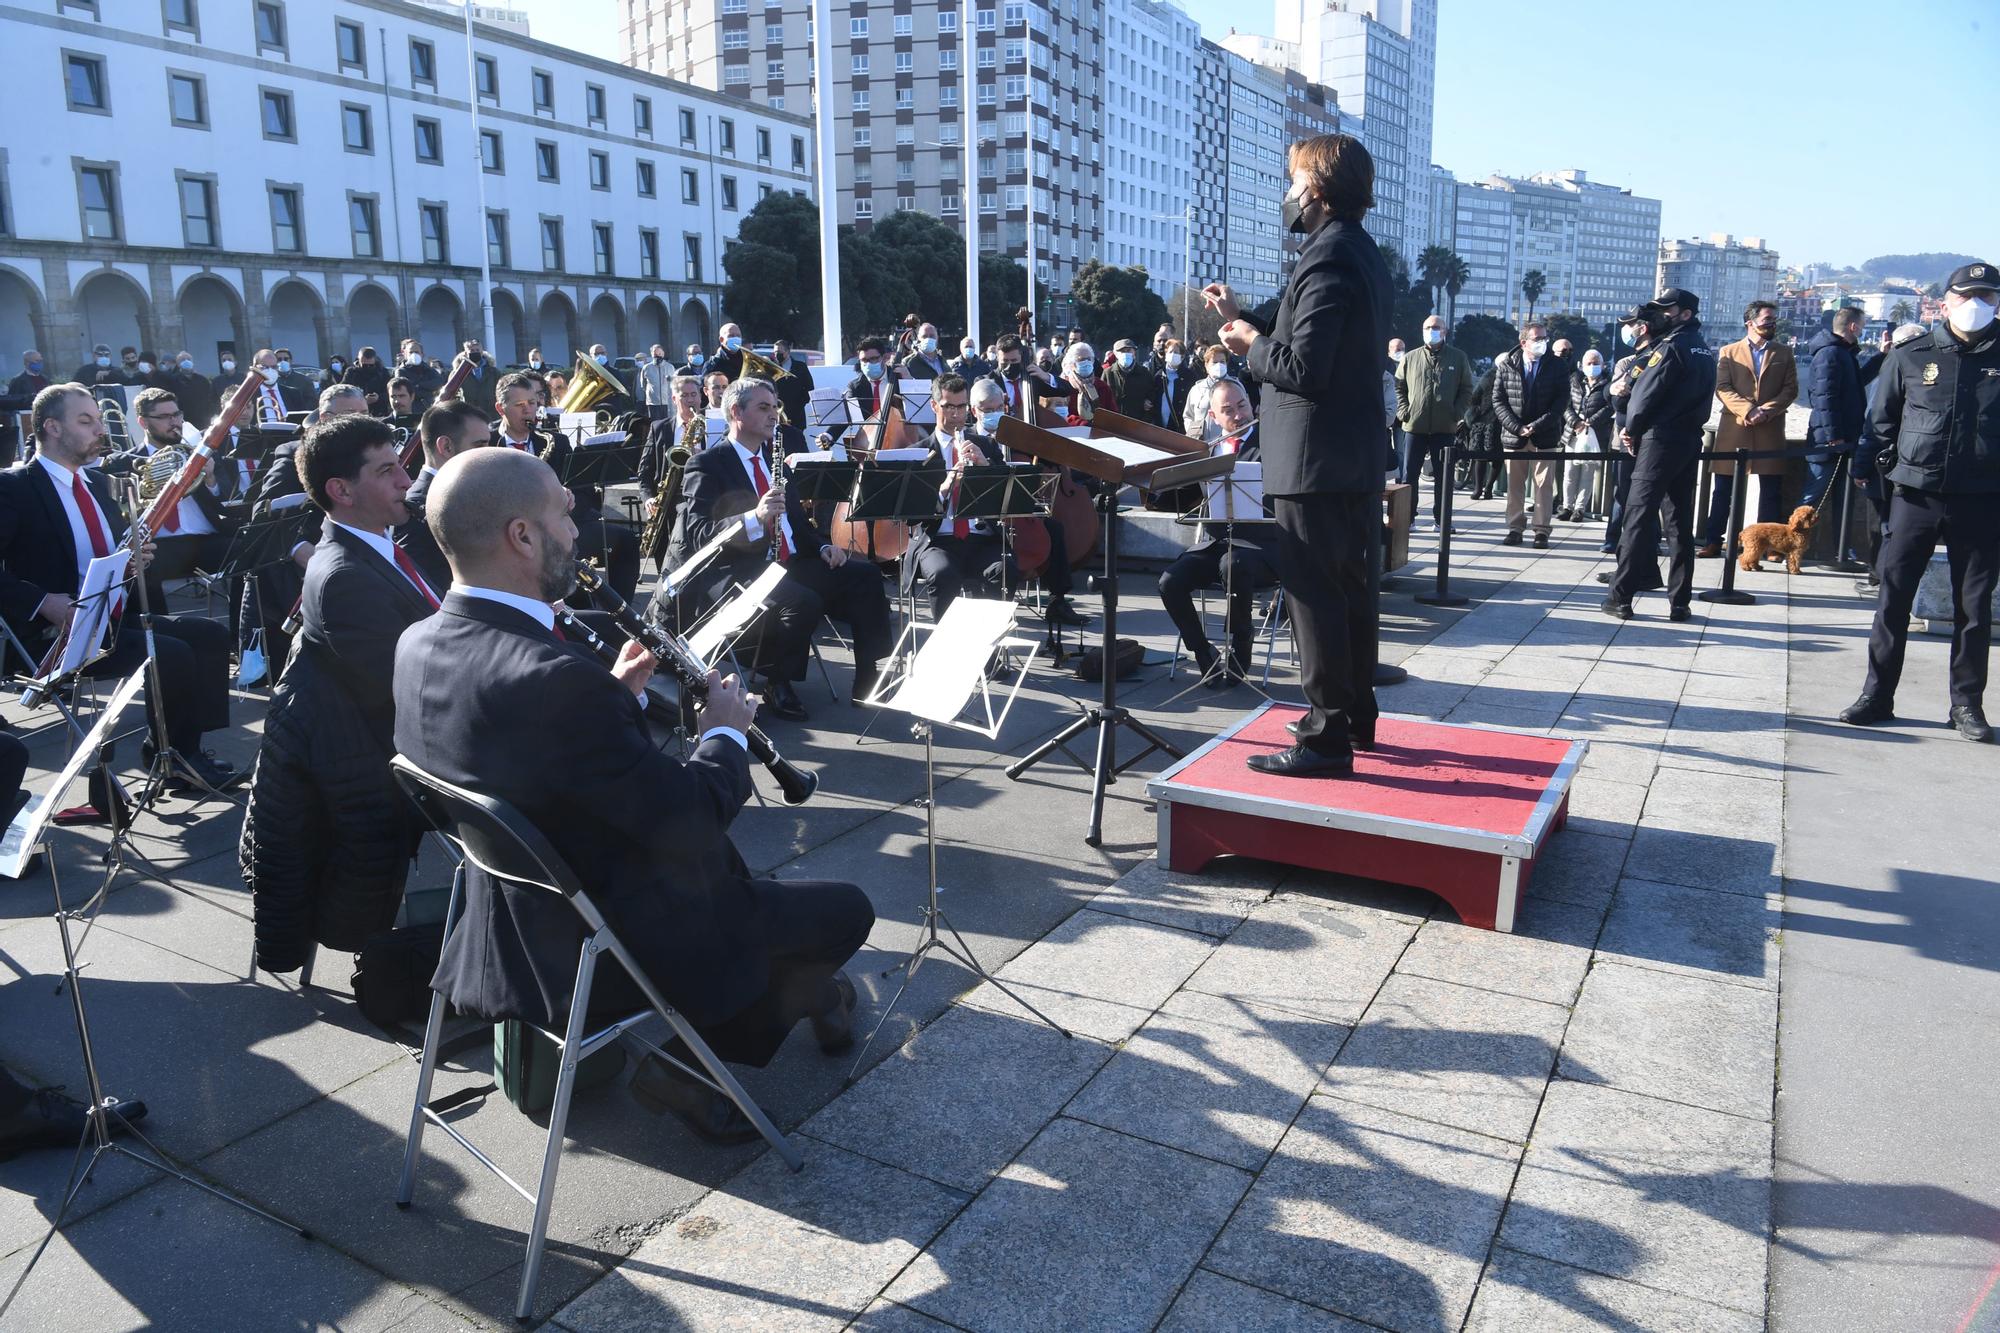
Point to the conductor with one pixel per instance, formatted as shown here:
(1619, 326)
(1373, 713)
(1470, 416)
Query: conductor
(1321, 428)
(488, 696)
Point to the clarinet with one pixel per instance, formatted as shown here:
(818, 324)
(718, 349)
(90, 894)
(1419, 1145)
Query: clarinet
(671, 652)
(778, 478)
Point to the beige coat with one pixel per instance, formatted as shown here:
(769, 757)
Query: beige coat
(1742, 390)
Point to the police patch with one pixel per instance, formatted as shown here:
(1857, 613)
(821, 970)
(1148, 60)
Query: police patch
(1655, 361)
(1930, 372)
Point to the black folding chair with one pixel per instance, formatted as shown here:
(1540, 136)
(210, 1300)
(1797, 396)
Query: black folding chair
(492, 836)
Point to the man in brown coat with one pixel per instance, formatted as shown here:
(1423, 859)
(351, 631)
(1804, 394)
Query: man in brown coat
(1756, 379)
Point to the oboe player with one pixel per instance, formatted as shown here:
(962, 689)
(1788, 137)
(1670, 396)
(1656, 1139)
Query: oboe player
(645, 833)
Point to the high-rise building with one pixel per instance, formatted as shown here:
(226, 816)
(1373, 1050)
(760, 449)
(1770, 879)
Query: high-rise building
(1150, 77)
(1211, 163)
(1380, 59)
(1589, 241)
(1725, 273)
(1310, 108)
(1256, 180)
(1037, 85)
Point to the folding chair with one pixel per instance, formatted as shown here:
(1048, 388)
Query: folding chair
(1270, 620)
(492, 836)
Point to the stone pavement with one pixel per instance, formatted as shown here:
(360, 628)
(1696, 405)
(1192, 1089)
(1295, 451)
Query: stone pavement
(1292, 1101)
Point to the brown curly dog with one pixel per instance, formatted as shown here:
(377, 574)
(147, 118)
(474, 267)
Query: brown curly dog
(1768, 541)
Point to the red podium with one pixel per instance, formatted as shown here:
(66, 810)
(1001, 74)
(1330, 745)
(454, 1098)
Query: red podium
(1461, 811)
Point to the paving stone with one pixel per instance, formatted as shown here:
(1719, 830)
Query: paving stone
(1086, 1229)
(1307, 956)
(1663, 1195)
(986, 1083)
(1218, 1077)
(1725, 738)
(1618, 761)
(1211, 1303)
(1097, 974)
(1718, 803)
(1476, 712)
(1451, 1054)
(889, 1317)
(1213, 901)
(1683, 1038)
(1554, 671)
(1672, 928)
(1543, 958)
(1424, 698)
(1435, 666)
(1594, 718)
(774, 1249)
(1578, 866)
(1724, 862)
(1597, 805)
(1523, 1292)
(1371, 1214)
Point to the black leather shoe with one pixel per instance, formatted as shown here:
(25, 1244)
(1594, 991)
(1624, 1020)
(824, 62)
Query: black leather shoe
(1867, 711)
(1361, 735)
(1297, 761)
(51, 1120)
(709, 1115)
(1061, 612)
(1606, 575)
(834, 1030)
(1971, 723)
(201, 769)
(783, 702)
(1541, 541)
(1679, 613)
(1616, 609)
(1513, 538)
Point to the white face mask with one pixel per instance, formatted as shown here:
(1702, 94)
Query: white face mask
(103, 360)
(1125, 360)
(186, 364)
(270, 374)
(989, 422)
(1538, 348)
(228, 364)
(145, 367)
(1628, 335)
(1217, 369)
(966, 353)
(1085, 369)
(284, 366)
(1174, 360)
(413, 359)
(1973, 316)
(534, 363)
(1433, 337)
(1594, 370)
(927, 345)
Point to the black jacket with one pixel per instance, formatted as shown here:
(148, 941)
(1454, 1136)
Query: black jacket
(1937, 410)
(1590, 406)
(921, 533)
(417, 538)
(547, 729)
(1035, 384)
(1138, 393)
(326, 837)
(868, 394)
(37, 550)
(716, 488)
(1516, 408)
(370, 380)
(1170, 395)
(1673, 388)
(1321, 365)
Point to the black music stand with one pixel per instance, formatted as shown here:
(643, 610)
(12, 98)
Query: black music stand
(601, 465)
(260, 545)
(896, 490)
(996, 492)
(823, 480)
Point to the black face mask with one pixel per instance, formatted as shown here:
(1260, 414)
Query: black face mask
(1293, 214)
(1012, 370)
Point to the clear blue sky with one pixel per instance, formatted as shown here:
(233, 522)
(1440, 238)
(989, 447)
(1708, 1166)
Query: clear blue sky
(1532, 87)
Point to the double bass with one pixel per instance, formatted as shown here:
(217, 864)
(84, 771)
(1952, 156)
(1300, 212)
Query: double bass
(881, 539)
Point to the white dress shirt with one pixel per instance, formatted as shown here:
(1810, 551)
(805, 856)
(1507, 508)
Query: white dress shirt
(379, 543)
(753, 527)
(79, 532)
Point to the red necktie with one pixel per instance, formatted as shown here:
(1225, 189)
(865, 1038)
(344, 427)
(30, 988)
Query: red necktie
(763, 483)
(409, 568)
(100, 546)
(560, 636)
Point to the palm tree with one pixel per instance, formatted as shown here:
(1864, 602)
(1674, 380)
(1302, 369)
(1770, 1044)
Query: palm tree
(1900, 313)
(1532, 284)
(1433, 263)
(1456, 276)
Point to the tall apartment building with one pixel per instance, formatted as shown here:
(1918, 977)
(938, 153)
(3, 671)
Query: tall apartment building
(233, 176)
(1725, 273)
(1380, 59)
(1589, 241)
(1150, 102)
(1310, 108)
(1211, 163)
(1037, 86)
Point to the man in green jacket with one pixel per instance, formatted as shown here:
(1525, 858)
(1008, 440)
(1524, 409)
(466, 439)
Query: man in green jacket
(1433, 389)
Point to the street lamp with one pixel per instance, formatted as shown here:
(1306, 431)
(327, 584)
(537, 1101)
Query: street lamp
(1186, 219)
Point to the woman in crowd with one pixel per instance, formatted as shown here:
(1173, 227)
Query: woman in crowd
(1589, 421)
(1088, 393)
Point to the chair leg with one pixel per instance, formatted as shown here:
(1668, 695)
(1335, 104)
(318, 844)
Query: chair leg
(545, 1193)
(306, 971)
(413, 1145)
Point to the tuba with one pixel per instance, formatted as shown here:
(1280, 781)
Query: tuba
(589, 385)
(758, 366)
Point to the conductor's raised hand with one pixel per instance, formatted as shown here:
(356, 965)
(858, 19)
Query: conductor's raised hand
(1217, 297)
(728, 704)
(1237, 335)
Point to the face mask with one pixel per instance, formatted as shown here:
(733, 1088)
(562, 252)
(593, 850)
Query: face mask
(1085, 369)
(1538, 348)
(227, 364)
(1293, 213)
(872, 369)
(1593, 371)
(1397, 357)
(1011, 370)
(1217, 369)
(145, 367)
(1125, 360)
(1174, 360)
(1628, 335)
(733, 344)
(928, 345)
(965, 352)
(1973, 316)
(284, 367)
(602, 359)
(697, 360)
(989, 422)
(335, 367)
(270, 374)
(1433, 337)
(103, 360)
(35, 367)
(414, 359)
(186, 364)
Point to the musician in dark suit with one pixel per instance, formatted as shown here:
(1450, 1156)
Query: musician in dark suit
(989, 402)
(732, 479)
(795, 389)
(1320, 361)
(326, 837)
(196, 535)
(543, 726)
(1242, 565)
(55, 516)
(1017, 376)
(951, 551)
(612, 542)
(875, 387)
(448, 430)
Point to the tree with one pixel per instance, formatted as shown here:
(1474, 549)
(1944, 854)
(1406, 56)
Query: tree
(789, 223)
(931, 256)
(1003, 289)
(1533, 283)
(1480, 336)
(1113, 303)
(1577, 329)
(1204, 326)
(1901, 313)
(1455, 279)
(875, 294)
(763, 290)
(1434, 267)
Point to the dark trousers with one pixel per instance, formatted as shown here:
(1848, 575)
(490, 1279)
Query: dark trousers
(1417, 446)
(1325, 544)
(1620, 464)
(177, 557)
(1969, 526)
(811, 928)
(194, 673)
(1721, 493)
(1243, 569)
(782, 635)
(1662, 487)
(946, 564)
(613, 543)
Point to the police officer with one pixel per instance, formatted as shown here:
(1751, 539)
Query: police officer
(1937, 420)
(1672, 386)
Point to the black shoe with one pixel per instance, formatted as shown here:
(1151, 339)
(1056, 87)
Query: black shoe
(783, 703)
(1605, 576)
(1867, 711)
(200, 770)
(1298, 762)
(1971, 723)
(51, 1120)
(865, 682)
(1361, 735)
(1679, 613)
(661, 1088)
(1061, 612)
(1513, 537)
(1541, 541)
(834, 1030)
(1616, 609)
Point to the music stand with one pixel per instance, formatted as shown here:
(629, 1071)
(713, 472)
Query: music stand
(996, 492)
(826, 480)
(601, 465)
(27, 834)
(1119, 451)
(1241, 500)
(933, 685)
(257, 546)
(897, 490)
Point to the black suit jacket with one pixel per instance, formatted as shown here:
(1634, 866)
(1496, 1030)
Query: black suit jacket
(37, 549)
(1320, 363)
(716, 488)
(921, 533)
(544, 727)
(355, 606)
(1170, 400)
(868, 395)
(1034, 382)
(795, 392)
(417, 538)
(1136, 390)
(1260, 536)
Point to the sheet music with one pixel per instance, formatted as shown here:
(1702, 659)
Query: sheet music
(952, 661)
(605, 437)
(1130, 452)
(84, 639)
(1243, 488)
(733, 615)
(917, 406)
(717, 428)
(25, 833)
(826, 409)
(901, 455)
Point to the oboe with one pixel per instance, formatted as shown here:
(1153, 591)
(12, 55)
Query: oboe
(671, 652)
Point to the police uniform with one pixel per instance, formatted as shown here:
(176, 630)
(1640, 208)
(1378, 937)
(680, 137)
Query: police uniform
(1936, 418)
(1672, 387)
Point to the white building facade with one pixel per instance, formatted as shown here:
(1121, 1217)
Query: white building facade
(1151, 71)
(1257, 181)
(306, 175)
(1725, 273)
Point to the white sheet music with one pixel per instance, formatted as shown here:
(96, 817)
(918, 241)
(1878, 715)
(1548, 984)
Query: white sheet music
(25, 833)
(952, 660)
(1243, 489)
(733, 615)
(827, 409)
(95, 601)
(1130, 452)
(917, 408)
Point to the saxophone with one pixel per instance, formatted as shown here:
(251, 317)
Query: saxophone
(667, 499)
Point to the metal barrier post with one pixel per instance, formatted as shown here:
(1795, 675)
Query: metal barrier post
(1841, 561)
(1728, 592)
(1444, 596)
